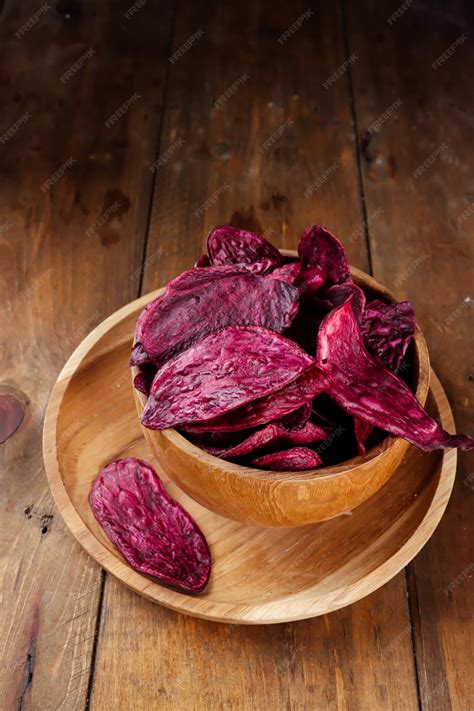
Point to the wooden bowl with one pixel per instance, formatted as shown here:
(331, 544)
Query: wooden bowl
(286, 499)
(259, 575)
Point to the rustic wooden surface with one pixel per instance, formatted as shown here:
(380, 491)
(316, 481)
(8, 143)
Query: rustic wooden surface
(72, 638)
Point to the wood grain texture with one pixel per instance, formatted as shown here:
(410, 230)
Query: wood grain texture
(424, 241)
(56, 286)
(229, 98)
(59, 279)
(285, 81)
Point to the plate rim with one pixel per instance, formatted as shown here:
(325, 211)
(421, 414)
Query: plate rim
(197, 606)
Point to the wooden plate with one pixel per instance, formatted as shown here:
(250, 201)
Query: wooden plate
(259, 576)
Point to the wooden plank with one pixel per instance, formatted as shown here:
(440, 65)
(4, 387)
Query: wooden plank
(149, 657)
(418, 168)
(63, 169)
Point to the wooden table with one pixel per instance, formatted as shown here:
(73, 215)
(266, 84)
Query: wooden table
(272, 117)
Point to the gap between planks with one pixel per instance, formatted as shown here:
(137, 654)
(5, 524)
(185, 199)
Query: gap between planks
(360, 179)
(103, 579)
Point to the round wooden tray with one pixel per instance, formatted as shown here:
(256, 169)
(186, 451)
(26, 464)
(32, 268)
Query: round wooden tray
(259, 576)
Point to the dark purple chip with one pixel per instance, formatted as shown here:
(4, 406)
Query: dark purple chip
(272, 407)
(292, 460)
(311, 280)
(229, 245)
(198, 277)
(362, 430)
(202, 262)
(154, 533)
(319, 247)
(313, 309)
(295, 420)
(138, 356)
(339, 293)
(197, 304)
(144, 378)
(222, 372)
(366, 389)
(288, 273)
(271, 436)
(388, 330)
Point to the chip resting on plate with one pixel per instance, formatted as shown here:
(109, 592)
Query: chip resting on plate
(152, 531)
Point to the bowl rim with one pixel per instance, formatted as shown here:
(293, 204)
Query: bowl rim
(422, 362)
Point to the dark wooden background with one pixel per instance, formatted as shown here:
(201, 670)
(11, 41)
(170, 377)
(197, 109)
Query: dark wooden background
(72, 637)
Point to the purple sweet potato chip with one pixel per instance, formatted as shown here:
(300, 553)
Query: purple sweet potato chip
(293, 460)
(313, 310)
(297, 419)
(310, 280)
(229, 245)
(144, 378)
(339, 293)
(388, 330)
(202, 262)
(222, 372)
(271, 407)
(288, 272)
(274, 435)
(366, 389)
(194, 306)
(319, 247)
(362, 430)
(197, 277)
(138, 356)
(154, 533)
